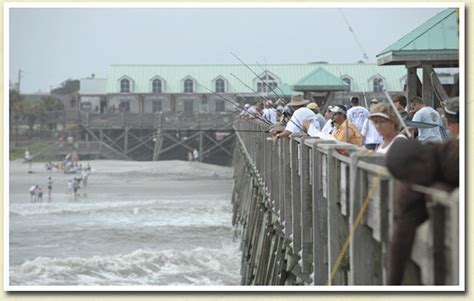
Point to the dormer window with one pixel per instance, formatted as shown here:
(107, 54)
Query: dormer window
(220, 86)
(266, 84)
(188, 86)
(378, 85)
(124, 86)
(347, 81)
(157, 86)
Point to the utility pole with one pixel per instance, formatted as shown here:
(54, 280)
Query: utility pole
(19, 79)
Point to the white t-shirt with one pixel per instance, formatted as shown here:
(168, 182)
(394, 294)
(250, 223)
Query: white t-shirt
(321, 120)
(384, 149)
(295, 125)
(370, 134)
(357, 115)
(328, 127)
(430, 116)
(270, 115)
(314, 132)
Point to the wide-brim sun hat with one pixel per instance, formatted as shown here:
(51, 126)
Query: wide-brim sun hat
(451, 106)
(298, 100)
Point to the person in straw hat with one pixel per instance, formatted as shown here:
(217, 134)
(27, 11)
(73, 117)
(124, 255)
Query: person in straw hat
(301, 113)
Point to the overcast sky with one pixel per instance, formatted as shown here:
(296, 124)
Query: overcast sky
(53, 44)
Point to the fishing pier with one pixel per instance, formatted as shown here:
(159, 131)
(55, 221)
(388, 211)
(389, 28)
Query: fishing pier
(308, 215)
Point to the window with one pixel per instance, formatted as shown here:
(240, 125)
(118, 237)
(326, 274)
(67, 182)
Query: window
(347, 81)
(188, 86)
(378, 85)
(266, 84)
(204, 101)
(124, 86)
(157, 87)
(157, 106)
(220, 106)
(124, 106)
(188, 106)
(220, 86)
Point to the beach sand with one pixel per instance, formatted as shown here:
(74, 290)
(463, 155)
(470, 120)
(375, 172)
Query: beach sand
(125, 178)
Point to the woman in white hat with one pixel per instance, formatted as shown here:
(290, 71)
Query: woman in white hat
(387, 124)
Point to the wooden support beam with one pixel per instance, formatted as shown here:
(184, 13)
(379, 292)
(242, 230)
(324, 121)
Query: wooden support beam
(441, 93)
(140, 141)
(178, 142)
(412, 88)
(215, 146)
(125, 142)
(200, 146)
(219, 144)
(158, 145)
(427, 86)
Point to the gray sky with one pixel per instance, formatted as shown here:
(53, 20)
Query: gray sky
(53, 44)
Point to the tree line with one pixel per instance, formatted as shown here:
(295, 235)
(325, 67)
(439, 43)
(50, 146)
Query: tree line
(38, 112)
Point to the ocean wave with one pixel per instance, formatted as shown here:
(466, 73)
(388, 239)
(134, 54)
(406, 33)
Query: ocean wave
(195, 267)
(135, 207)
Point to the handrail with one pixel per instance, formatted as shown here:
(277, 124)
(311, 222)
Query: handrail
(313, 193)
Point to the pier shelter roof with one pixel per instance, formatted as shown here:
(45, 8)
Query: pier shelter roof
(320, 80)
(435, 41)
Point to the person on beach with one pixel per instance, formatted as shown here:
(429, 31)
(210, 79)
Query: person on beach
(195, 155)
(50, 188)
(75, 186)
(28, 158)
(39, 192)
(84, 176)
(32, 191)
(70, 188)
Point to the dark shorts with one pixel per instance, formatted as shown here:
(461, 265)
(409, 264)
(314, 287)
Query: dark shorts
(371, 146)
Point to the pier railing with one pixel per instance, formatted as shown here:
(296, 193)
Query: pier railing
(296, 203)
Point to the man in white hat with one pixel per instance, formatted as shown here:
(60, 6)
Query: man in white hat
(301, 113)
(269, 112)
(345, 131)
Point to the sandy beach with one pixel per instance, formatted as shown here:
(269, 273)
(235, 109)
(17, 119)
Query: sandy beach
(125, 178)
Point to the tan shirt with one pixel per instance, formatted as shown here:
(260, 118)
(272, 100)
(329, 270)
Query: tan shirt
(347, 132)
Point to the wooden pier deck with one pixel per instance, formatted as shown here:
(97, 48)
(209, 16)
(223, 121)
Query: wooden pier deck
(295, 204)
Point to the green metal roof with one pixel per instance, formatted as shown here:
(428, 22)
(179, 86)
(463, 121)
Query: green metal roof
(286, 90)
(438, 37)
(320, 80)
(361, 76)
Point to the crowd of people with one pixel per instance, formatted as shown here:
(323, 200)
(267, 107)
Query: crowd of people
(419, 148)
(73, 185)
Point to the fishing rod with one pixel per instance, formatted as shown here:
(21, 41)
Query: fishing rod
(236, 105)
(255, 92)
(266, 72)
(255, 74)
(264, 99)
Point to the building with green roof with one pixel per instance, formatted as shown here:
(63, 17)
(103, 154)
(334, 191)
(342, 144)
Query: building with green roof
(201, 88)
